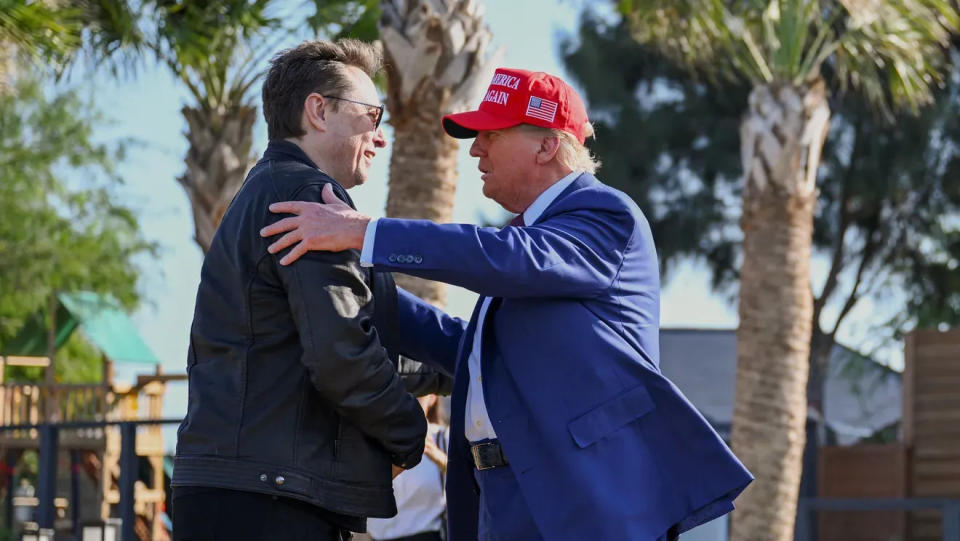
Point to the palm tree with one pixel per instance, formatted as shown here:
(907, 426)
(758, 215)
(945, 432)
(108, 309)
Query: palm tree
(793, 52)
(219, 130)
(437, 63)
(209, 47)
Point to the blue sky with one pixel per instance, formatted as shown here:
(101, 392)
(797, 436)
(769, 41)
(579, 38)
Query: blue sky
(147, 108)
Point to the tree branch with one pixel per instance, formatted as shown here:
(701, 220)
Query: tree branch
(869, 250)
(836, 263)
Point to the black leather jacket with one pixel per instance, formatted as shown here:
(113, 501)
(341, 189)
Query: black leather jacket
(291, 390)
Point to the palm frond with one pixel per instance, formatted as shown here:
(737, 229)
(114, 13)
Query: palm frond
(334, 19)
(40, 30)
(225, 77)
(189, 32)
(701, 34)
(892, 51)
(895, 55)
(57, 33)
(111, 29)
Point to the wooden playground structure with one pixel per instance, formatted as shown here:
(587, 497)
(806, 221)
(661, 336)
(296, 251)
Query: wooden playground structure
(86, 451)
(96, 449)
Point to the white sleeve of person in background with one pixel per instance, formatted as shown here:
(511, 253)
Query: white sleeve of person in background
(420, 498)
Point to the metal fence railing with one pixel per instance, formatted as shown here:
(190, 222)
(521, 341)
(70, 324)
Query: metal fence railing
(807, 508)
(49, 435)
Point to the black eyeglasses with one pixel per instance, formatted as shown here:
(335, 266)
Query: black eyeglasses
(379, 108)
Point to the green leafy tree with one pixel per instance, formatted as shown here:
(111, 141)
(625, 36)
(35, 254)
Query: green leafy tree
(61, 228)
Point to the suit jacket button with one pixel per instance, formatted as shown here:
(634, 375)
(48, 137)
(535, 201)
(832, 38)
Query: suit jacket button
(279, 480)
(418, 259)
(263, 477)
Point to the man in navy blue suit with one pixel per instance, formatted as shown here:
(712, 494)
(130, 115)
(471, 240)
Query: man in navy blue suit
(563, 427)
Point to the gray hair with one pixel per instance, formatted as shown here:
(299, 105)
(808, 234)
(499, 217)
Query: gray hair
(571, 154)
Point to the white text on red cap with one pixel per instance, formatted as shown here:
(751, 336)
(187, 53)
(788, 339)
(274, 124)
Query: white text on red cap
(497, 96)
(509, 81)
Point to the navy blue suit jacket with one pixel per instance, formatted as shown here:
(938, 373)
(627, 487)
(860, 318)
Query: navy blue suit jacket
(602, 445)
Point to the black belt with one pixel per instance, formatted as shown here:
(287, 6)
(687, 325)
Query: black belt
(488, 455)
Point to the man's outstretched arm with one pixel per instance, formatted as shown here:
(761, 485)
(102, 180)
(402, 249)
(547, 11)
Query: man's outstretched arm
(577, 253)
(427, 333)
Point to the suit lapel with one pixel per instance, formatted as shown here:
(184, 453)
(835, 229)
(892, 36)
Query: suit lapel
(489, 344)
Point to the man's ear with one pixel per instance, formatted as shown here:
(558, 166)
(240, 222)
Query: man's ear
(314, 112)
(548, 149)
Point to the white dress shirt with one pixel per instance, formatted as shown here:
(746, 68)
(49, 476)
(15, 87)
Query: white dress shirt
(478, 426)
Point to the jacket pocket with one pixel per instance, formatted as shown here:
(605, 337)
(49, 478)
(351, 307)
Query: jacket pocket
(612, 415)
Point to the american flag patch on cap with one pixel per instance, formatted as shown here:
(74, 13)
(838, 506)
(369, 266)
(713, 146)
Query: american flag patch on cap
(543, 109)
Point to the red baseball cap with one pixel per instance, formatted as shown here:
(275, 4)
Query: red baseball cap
(522, 97)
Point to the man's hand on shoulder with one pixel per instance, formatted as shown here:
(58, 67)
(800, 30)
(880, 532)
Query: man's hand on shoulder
(330, 227)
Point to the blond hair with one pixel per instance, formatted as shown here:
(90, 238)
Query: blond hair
(571, 154)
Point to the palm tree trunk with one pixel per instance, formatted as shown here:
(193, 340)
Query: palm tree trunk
(423, 178)
(217, 161)
(436, 64)
(781, 139)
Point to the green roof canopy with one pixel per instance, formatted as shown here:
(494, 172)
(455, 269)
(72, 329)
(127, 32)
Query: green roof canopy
(102, 321)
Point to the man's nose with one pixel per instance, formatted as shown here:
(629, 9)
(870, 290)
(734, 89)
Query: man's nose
(379, 140)
(475, 149)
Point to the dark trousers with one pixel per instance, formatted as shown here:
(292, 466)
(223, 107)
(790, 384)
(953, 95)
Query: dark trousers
(503, 513)
(230, 515)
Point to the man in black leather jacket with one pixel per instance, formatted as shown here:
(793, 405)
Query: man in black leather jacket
(297, 416)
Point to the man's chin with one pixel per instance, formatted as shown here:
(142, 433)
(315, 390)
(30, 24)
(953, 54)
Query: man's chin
(491, 196)
(355, 180)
